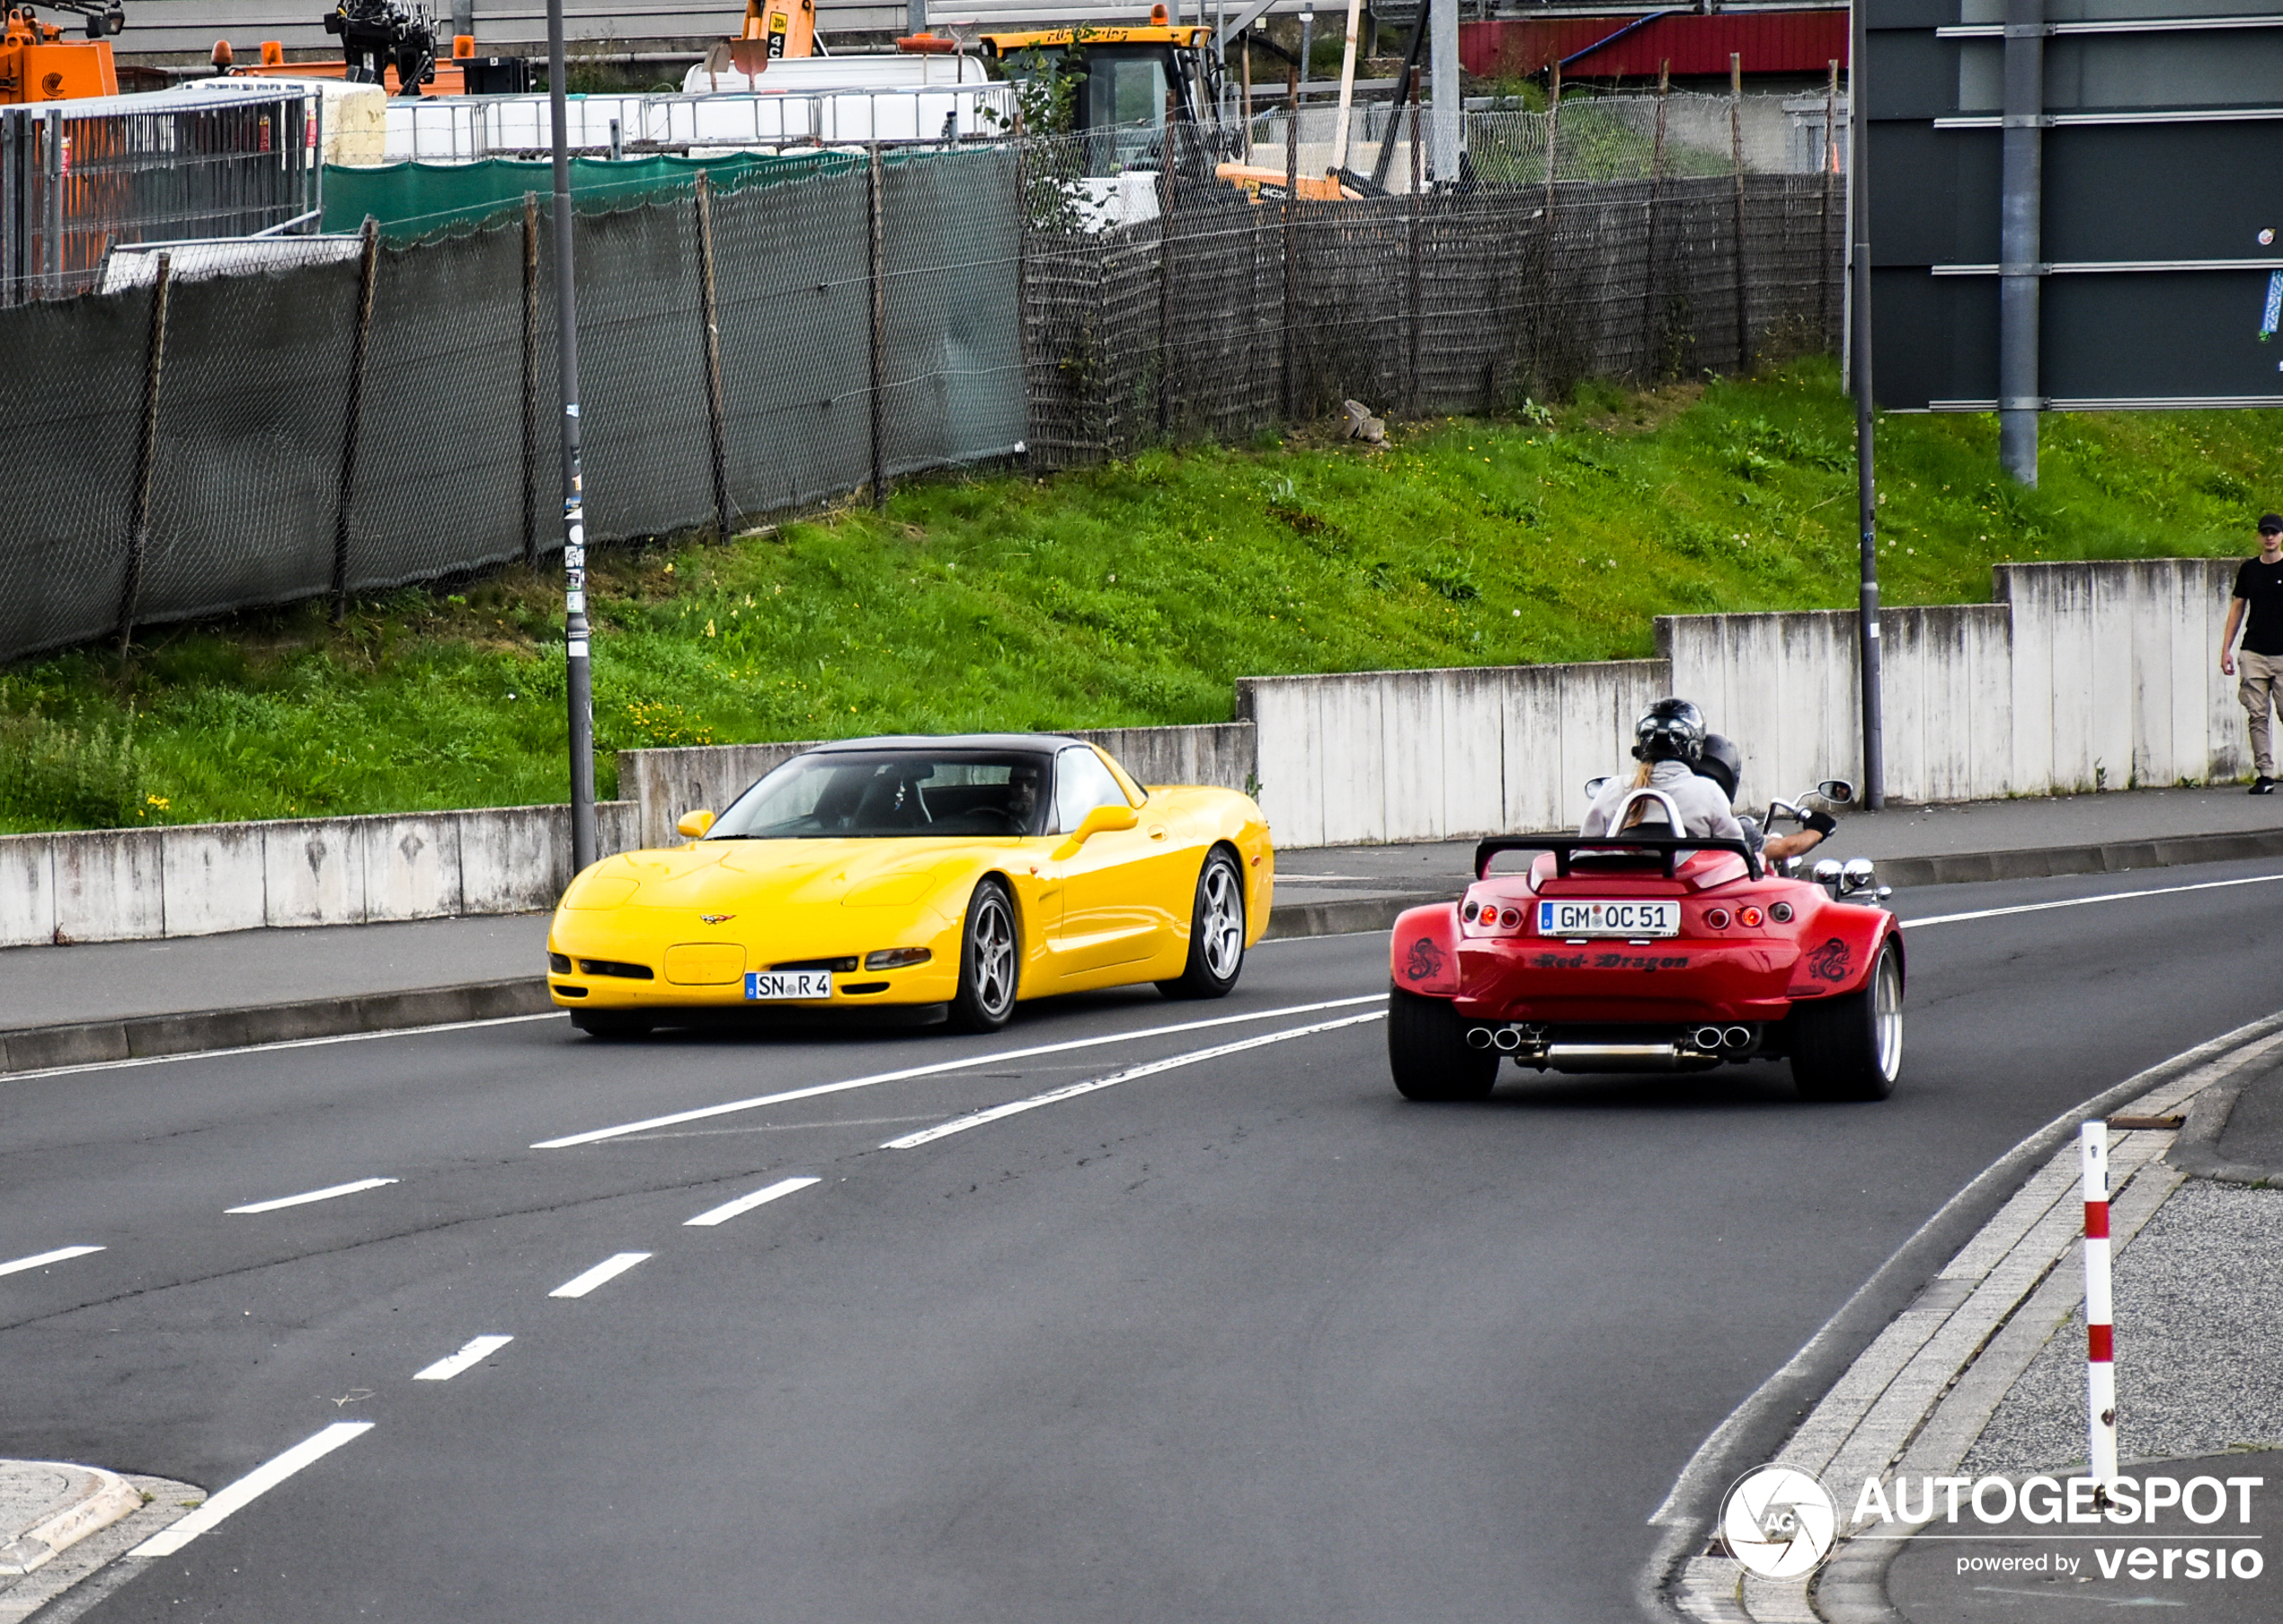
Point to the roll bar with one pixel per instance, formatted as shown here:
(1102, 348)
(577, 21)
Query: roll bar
(1567, 846)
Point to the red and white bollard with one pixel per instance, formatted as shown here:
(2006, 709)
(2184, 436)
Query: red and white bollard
(2101, 1369)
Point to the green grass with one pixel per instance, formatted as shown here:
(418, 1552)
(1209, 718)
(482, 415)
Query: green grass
(1126, 594)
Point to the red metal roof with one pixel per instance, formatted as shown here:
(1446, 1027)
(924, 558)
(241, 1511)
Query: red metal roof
(1769, 42)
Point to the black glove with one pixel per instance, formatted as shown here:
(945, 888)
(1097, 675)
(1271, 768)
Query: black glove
(1822, 823)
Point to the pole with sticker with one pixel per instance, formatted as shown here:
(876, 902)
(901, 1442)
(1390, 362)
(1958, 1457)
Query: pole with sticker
(578, 677)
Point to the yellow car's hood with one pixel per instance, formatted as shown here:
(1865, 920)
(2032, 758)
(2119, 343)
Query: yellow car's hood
(727, 875)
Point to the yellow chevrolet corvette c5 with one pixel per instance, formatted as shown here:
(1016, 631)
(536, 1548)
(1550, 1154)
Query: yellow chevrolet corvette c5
(933, 876)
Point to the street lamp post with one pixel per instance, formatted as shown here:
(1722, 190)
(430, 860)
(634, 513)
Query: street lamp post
(579, 676)
(1866, 465)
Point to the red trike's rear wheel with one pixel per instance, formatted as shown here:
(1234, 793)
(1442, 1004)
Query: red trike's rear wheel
(1427, 1050)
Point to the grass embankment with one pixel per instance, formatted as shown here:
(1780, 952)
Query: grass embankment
(1127, 594)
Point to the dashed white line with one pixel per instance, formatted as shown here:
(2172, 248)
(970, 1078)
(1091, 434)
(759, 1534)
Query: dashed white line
(967, 1064)
(303, 1199)
(476, 1352)
(1055, 1096)
(2107, 896)
(41, 1260)
(746, 1203)
(607, 1270)
(250, 1488)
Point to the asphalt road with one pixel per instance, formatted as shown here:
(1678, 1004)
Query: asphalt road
(1248, 1338)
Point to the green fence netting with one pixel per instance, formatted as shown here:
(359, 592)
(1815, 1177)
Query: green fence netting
(413, 200)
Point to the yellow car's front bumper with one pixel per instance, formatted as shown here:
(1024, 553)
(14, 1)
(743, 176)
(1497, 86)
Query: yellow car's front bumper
(632, 958)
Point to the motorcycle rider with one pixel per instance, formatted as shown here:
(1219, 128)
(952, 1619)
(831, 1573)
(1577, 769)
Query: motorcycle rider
(1720, 761)
(1668, 741)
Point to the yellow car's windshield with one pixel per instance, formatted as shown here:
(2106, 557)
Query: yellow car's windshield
(859, 795)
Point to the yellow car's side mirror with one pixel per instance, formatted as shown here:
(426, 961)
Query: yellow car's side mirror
(1099, 821)
(694, 824)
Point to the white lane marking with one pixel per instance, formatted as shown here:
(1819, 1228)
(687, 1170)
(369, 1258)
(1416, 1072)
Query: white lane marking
(837, 1122)
(291, 1043)
(250, 1488)
(474, 1353)
(609, 1269)
(746, 1203)
(937, 1068)
(1055, 1096)
(2110, 896)
(60, 1254)
(326, 1193)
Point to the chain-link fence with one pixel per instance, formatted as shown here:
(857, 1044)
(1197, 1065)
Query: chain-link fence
(257, 430)
(1187, 310)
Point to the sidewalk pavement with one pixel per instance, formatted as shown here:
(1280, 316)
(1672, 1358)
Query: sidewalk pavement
(1983, 1375)
(117, 1000)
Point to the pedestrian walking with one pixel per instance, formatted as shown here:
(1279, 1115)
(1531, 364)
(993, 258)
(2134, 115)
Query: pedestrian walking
(2259, 585)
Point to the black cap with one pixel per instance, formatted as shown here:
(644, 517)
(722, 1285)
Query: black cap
(2269, 523)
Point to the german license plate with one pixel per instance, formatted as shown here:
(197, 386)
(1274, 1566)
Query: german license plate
(788, 984)
(1586, 917)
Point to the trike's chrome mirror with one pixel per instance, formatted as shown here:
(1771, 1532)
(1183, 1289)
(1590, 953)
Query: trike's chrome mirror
(1837, 790)
(1593, 787)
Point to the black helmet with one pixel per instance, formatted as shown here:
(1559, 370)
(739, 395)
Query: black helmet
(1721, 762)
(1671, 730)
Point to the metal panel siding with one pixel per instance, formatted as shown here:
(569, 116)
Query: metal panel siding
(2179, 333)
(1787, 42)
(2173, 192)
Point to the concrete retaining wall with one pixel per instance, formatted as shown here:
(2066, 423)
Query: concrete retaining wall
(199, 878)
(2080, 677)
(664, 783)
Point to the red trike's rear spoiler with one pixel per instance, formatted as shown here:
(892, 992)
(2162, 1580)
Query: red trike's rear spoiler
(1567, 846)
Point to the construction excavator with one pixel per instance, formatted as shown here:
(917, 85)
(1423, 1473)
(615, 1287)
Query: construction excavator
(38, 64)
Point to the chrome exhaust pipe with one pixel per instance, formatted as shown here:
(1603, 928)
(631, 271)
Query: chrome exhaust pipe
(1624, 1057)
(1736, 1038)
(1706, 1038)
(1479, 1037)
(1507, 1039)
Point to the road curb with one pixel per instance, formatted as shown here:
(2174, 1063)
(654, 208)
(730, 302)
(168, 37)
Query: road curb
(145, 1038)
(2107, 857)
(72, 1502)
(1906, 1375)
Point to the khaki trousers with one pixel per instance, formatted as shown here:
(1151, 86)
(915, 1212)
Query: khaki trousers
(2258, 676)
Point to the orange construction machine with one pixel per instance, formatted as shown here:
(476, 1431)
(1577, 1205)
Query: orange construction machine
(38, 64)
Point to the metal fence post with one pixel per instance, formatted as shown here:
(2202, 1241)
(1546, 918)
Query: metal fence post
(1417, 290)
(52, 166)
(1292, 248)
(368, 273)
(716, 426)
(1736, 164)
(531, 379)
(879, 335)
(1023, 278)
(1823, 216)
(10, 209)
(1166, 193)
(139, 528)
(1650, 367)
(1543, 324)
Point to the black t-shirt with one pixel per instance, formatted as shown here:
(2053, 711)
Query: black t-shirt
(2260, 585)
